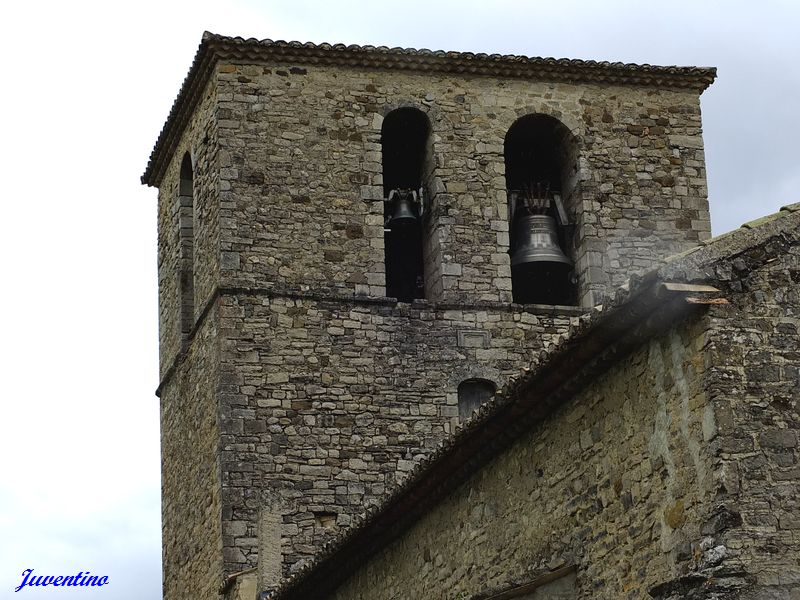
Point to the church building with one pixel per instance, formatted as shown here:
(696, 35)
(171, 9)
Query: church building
(421, 335)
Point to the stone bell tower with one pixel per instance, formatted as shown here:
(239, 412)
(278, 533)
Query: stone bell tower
(359, 245)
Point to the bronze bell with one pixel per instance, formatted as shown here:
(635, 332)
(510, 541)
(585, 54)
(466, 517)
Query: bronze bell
(540, 270)
(403, 213)
(537, 241)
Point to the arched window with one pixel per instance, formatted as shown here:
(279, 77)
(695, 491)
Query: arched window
(541, 173)
(186, 241)
(471, 394)
(405, 150)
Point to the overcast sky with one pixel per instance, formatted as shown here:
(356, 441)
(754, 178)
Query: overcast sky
(86, 88)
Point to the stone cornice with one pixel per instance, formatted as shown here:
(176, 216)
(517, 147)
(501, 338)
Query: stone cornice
(215, 48)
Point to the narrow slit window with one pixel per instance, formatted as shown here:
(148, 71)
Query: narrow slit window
(186, 241)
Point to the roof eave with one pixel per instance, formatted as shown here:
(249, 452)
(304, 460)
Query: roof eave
(180, 113)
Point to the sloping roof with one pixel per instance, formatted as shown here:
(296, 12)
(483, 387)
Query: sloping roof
(215, 48)
(647, 305)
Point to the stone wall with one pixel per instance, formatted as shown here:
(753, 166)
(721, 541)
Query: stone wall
(325, 392)
(190, 480)
(326, 402)
(199, 140)
(189, 367)
(616, 483)
(672, 476)
(754, 353)
(301, 153)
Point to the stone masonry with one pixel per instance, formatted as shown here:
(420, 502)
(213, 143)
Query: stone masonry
(299, 391)
(671, 475)
(589, 487)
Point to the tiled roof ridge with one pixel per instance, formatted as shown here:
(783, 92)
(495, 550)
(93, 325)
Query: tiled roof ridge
(765, 228)
(703, 75)
(215, 46)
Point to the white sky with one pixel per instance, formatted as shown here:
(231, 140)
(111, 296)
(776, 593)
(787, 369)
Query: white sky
(86, 88)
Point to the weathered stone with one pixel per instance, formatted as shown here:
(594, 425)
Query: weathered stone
(287, 322)
(778, 438)
(672, 513)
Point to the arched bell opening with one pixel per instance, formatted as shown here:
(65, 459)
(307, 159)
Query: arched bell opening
(540, 159)
(186, 238)
(405, 150)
